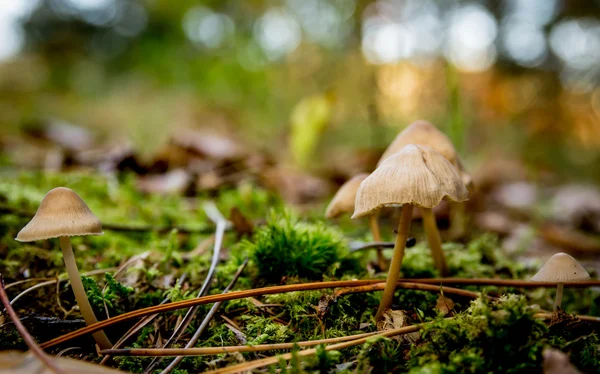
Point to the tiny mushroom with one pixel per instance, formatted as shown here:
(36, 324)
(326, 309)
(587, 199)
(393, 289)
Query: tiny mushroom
(415, 176)
(343, 203)
(424, 133)
(561, 268)
(62, 214)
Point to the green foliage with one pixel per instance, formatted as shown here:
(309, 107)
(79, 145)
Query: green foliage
(380, 355)
(578, 339)
(490, 336)
(93, 293)
(261, 330)
(287, 247)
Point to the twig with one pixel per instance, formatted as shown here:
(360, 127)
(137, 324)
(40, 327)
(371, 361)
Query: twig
(56, 280)
(35, 349)
(272, 360)
(213, 213)
(270, 291)
(360, 246)
(501, 282)
(25, 281)
(139, 325)
(206, 320)
(234, 295)
(410, 286)
(580, 317)
(229, 349)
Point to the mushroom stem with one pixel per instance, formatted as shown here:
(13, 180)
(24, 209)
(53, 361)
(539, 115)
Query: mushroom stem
(559, 295)
(394, 271)
(374, 223)
(457, 220)
(79, 291)
(435, 242)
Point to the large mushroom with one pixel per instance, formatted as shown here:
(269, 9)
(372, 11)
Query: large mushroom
(561, 268)
(343, 203)
(424, 133)
(415, 176)
(62, 214)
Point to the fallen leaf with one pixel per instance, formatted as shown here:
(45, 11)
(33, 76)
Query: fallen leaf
(444, 305)
(395, 319)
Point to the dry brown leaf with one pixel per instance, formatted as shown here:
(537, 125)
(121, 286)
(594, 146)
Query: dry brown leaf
(444, 305)
(395, 319)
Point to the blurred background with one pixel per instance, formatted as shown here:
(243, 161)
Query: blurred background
(317, 85)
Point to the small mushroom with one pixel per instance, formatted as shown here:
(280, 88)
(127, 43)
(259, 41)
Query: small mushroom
(343, 203)
(62, 214)
(415, 176)
(561, 268)
(424, 133)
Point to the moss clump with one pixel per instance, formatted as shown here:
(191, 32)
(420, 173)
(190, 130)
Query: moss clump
(491, 336)
(287, 247)
(578, 339)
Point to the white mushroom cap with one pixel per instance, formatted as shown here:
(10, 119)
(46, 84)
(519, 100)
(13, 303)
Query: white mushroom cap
(416, 175)
(61, 213)
(561, 268)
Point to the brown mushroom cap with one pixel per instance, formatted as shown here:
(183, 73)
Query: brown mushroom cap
(61, 213)
(561, 268)
(343, 201)
(424, 133)
(416, 175)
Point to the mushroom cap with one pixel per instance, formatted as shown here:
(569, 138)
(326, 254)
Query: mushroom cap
(61, 213)
(424, 133)
(343, 201)
(561, 268)
(416, 175)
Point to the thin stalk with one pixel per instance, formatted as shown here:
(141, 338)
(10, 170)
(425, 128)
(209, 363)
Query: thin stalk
(559, 295)
(374, 224)
(457, 220)
(79, 291)
(56, 280)
(35, 349)
(411, 286)
(435, 242)
(144, 352)
(239, 368)
(394, 271)
(234, 295)
(222, 223)
(206, 320)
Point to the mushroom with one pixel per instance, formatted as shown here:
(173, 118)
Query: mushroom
(424, 133)
(62, 214)
(343, 203)
(415, 176)
(561, 268)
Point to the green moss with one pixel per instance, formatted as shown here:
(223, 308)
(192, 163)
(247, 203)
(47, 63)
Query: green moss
(288, 247)
(490, 336)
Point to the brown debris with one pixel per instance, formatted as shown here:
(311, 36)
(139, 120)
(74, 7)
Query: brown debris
(444, 305)
(395, 319)
(296, 187)
(172, 182)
